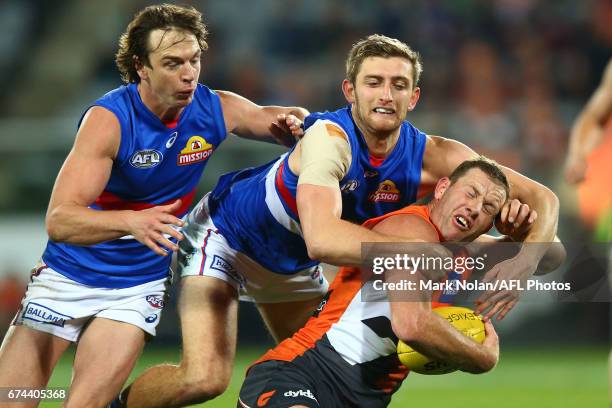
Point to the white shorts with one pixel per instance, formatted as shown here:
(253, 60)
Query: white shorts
(60, 306)
(205, 252)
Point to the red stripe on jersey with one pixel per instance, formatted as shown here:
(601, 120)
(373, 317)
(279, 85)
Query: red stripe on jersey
(286, 195)
(172, 124)
(109, 201)
(208, 231)
(376, 161)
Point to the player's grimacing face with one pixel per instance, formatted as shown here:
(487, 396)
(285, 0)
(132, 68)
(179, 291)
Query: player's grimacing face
(383, 93)
(174, 66)
(467, 208)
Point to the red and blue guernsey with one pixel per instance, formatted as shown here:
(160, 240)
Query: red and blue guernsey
(255, 209)
(156, 164)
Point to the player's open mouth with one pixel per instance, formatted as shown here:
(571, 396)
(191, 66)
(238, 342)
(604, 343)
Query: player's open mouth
(185, 94)
(462, 222)
(386, 111)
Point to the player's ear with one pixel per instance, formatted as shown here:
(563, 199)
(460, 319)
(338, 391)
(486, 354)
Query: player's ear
(349, 91)
(414, 98)
(443, 185)
(139, 66)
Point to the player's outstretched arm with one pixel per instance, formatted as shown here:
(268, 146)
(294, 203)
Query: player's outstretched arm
(82, 179)
(273, 124)
(443, 155)
(587, 131)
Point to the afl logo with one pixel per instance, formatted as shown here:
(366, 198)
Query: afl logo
(156, 301)
(144, 159)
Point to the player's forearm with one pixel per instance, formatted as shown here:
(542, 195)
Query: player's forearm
(554, 253)
(338, 242)
(74, 224)
(260, 127)
(588, 130)
(586, 134)
(544, 230)
(546, 204)
(434, 337)
(553, 258)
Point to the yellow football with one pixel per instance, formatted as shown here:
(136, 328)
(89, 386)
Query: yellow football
(461, 318)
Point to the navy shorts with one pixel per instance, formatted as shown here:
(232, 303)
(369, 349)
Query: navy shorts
(279, 384)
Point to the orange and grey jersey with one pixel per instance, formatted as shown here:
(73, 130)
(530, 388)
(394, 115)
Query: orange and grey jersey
(349, 340)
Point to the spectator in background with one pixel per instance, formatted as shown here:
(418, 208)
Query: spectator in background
(483, 119)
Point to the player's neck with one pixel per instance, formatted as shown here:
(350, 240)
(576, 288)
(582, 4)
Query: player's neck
(164, 112)
(432, 212)
(379, 144)
(435, 217)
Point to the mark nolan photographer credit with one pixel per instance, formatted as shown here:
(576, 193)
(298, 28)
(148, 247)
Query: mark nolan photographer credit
(455, 286)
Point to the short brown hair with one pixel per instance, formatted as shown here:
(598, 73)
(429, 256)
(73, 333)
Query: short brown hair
(377, 45)
(133, 42)
(487, 166)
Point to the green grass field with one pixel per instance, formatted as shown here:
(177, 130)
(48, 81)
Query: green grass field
(524, 378)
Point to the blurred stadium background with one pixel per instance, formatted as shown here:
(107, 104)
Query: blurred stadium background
(507, 77)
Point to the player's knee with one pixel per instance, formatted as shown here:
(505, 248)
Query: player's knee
(212, 389)
(197, 392)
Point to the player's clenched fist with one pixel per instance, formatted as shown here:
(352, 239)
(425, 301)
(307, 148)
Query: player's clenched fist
(287, 129)
(515, 219)
(153, 226)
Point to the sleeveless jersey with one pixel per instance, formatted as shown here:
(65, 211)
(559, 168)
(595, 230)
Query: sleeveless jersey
(255, 209)
(350, 337)
(155, 165)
